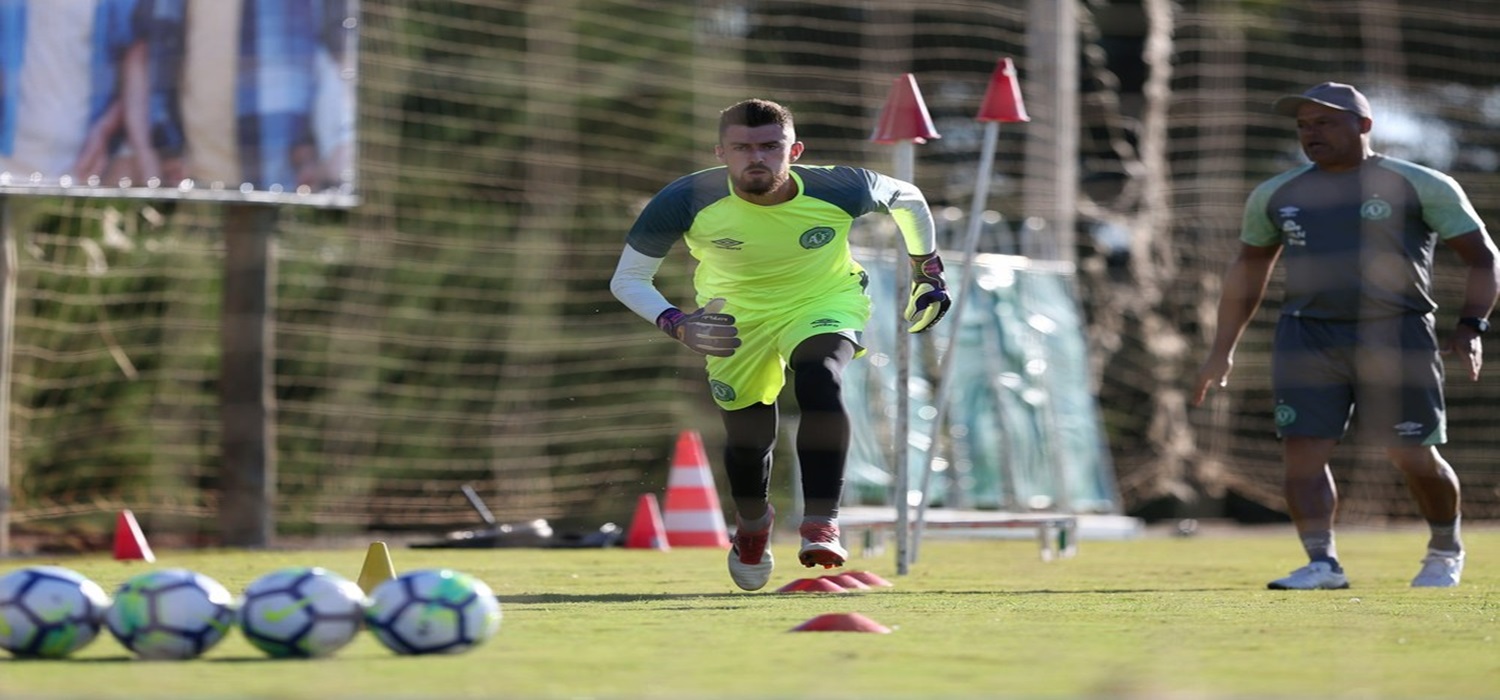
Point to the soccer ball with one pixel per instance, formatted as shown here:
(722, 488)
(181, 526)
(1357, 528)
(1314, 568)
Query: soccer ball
(301, 612)
(49, 612)
(170, 614)
(433, 611)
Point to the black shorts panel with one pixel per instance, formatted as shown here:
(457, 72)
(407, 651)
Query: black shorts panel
(1383, 375)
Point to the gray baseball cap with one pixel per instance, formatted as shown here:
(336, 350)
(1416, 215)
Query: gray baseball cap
(1335, 95)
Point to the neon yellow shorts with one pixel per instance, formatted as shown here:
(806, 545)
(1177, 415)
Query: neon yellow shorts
(756, 372)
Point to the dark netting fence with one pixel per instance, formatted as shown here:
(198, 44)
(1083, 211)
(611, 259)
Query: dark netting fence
(457, 328)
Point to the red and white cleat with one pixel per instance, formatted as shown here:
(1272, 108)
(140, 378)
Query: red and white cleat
(750, 561)
(820, 546)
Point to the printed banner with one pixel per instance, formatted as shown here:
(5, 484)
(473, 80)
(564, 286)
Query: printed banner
(227, 100)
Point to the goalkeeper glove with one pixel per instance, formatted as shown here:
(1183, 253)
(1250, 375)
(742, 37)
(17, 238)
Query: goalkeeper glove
(929, 293)
(705, 331)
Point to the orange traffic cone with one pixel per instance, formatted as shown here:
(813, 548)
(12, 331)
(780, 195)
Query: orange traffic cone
(130, 543)
(646, 529)
(693, 517)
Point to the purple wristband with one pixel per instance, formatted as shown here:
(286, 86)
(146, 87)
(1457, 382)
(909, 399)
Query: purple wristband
(668, 321)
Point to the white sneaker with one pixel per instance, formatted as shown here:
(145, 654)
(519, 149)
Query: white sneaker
(1315, 576)
(1440, 570)
(750, 560)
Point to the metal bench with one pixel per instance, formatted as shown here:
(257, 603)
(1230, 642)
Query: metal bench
(1056, 533)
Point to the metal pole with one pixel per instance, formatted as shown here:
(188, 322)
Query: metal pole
(955, 322)
(1050, 186)
(247, 505)
(905, 155)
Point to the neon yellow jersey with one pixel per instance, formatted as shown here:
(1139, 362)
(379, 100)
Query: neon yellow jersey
(765, 259)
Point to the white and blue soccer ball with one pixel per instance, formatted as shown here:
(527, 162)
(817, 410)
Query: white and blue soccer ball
(301, 612)
(49, 612)
(170, 614)
(433, 611)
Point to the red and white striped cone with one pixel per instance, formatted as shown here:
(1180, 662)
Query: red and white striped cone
(691, 513)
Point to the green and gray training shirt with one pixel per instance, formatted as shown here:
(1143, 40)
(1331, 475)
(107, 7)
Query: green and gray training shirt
(1358, 244)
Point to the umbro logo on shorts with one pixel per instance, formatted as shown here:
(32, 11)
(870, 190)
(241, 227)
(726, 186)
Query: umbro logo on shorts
(1408, 429)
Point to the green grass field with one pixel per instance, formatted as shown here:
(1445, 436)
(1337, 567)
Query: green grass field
(1157, 617)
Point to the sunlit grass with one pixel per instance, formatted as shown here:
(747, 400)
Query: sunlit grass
(1149, 618)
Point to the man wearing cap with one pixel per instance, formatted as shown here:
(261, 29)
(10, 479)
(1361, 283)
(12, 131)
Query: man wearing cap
(1357, 336)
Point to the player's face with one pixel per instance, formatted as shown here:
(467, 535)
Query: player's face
(759, 158)
(1331, 138)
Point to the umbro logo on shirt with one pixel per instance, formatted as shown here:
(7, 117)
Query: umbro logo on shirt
(728, 243)
(824, 323)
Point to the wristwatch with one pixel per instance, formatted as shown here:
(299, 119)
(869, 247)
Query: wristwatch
(1480, 325)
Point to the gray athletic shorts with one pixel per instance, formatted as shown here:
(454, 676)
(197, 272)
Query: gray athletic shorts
(1384, 373)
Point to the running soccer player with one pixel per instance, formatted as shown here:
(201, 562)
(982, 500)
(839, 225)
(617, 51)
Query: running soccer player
(777, 288)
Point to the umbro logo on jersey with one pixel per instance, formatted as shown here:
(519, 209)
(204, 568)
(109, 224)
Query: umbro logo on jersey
(728, 243)
(824, 323)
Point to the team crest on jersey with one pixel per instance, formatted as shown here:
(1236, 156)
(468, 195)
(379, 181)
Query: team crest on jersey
(721, 391)
(817, 237)
(1375, 209)
(1285, 415)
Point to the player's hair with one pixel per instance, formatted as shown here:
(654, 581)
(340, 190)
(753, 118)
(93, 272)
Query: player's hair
(752, 113)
